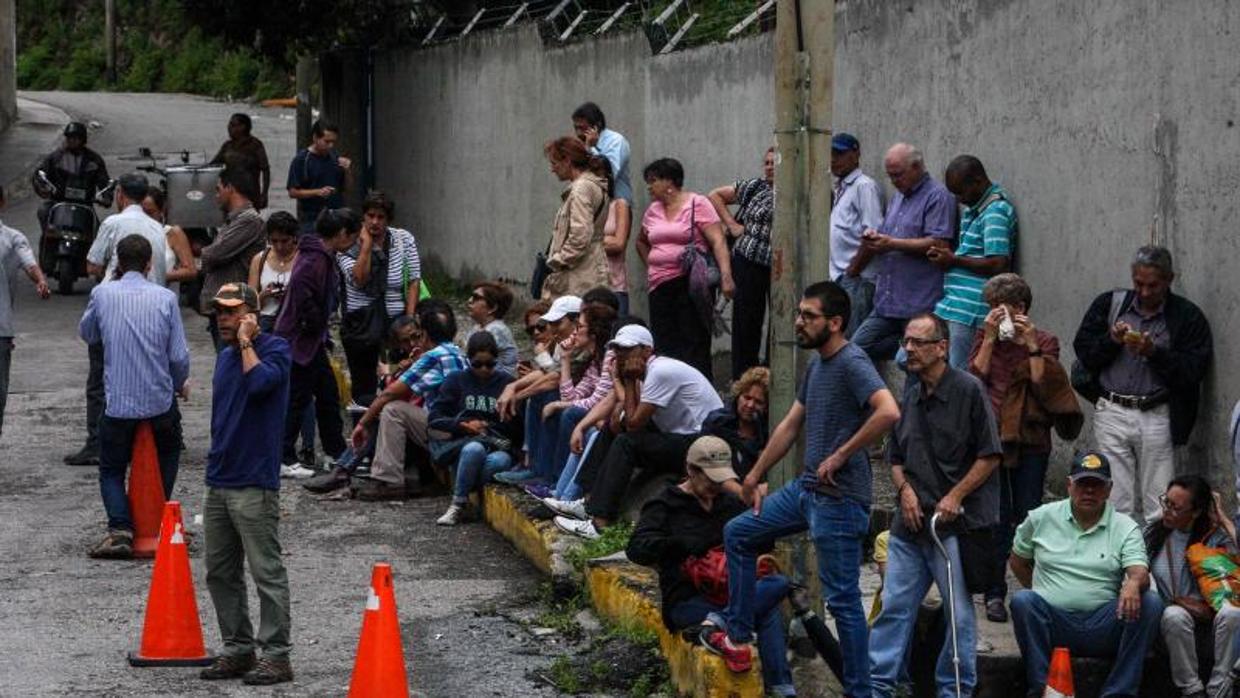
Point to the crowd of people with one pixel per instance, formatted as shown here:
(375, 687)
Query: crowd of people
(927, 281)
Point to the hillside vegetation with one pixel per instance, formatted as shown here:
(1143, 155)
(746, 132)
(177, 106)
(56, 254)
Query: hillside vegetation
(60, 46)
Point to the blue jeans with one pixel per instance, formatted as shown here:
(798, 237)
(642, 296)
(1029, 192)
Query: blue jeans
(960, 344)
(567, 489)
(860, 292)
(566, 421)
(1040, 627)
(474, 467)
(838, 527)
(772, 645)
(539, 434)
(911, 566)
(1020, 491)
(116, 437)
(880, 337)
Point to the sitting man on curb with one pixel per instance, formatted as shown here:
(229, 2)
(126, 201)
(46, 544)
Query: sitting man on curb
(1087, 579)
(241, 516)
(657, 391)
(399, 418)
(943, 451)
(843, 406)
(146, 365)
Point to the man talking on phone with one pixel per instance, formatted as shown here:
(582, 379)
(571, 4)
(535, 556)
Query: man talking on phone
(241, 515)
(1150, 350)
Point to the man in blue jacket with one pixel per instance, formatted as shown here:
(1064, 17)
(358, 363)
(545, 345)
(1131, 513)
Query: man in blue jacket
(242, 512)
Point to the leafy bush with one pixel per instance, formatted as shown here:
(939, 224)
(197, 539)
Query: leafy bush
(85, 69)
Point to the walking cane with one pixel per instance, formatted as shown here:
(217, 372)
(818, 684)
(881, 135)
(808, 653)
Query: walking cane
(951, 597)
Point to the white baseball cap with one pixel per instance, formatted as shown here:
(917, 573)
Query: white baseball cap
(631, 336)
(564, 305)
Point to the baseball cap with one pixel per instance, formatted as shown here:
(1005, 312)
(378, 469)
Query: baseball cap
(631, 336)
(564, 305)
(844, 142)
(713, 455)
(1090, 464)
(234, 294)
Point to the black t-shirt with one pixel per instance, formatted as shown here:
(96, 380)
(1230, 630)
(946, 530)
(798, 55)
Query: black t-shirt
(310, 171)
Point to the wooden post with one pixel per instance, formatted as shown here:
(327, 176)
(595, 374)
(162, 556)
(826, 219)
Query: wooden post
(804, 74)
(109, 38)
(305, 83)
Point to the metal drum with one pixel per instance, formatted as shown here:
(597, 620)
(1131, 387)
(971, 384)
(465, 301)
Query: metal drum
(191, 196)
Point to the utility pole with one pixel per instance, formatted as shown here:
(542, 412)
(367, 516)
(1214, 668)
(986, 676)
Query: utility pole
(804, 78)
(109, 38)
(306, 65)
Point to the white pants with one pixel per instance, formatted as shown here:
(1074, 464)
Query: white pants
(1138, 444)
(1178, 630)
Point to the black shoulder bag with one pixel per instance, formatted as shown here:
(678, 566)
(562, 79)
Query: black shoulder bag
(1084, 381)
(976, 545)
(368, 324)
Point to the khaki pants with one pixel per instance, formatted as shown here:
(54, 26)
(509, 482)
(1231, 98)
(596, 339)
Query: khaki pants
(399, 422)
(243, 524)
(1138, 444)
(1180, 635)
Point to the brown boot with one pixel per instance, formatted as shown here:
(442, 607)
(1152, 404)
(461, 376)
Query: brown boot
(228, 667)
(379, 491)
(116, 545)
(268, 671)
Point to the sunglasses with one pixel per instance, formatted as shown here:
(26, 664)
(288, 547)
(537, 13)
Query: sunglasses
(483, 364)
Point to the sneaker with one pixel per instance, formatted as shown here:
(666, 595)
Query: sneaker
(452, 516)
(116, 545)
(268, 671)
(739, 658)
(328, 482)
(584, 529)
(539, 490)
(296, 471)
(515, 477)
(996, 612)
(575, 509)
(228, 667)
(379, 491)
(83, 457)
(354, 408)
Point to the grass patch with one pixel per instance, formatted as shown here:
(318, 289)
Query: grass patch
(613, 539)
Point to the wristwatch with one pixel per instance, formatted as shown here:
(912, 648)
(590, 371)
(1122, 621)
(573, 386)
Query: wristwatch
(243, 345)
(1035, 352)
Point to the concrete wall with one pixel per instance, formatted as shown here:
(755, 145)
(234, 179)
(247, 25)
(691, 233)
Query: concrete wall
(8, 62)
(1112, 123)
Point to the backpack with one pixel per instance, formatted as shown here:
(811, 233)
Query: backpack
(1085, 381)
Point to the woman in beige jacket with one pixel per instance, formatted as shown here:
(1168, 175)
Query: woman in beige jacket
(576, 257)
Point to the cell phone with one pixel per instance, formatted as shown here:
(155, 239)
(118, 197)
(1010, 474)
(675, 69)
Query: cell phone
(1132, 336)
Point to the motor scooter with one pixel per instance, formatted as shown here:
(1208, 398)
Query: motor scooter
(70, 231)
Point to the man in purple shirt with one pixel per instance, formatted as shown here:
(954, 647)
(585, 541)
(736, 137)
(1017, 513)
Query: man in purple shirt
(311, 295)
(921, 215)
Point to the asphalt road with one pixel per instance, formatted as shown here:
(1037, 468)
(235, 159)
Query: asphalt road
(68, 620)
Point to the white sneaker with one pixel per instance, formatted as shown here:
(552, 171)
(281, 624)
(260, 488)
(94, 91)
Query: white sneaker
(296, 471)
(452, 516)
(584, 529)
(573, 509)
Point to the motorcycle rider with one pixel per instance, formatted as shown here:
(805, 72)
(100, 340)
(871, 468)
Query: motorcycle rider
(75, 172)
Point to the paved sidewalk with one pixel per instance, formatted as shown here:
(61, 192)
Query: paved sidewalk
(35, 133)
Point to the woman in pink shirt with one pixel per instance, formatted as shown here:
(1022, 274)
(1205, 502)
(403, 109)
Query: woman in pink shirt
(677, 218)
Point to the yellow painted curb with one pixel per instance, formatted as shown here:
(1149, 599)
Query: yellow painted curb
(626, 594)
(533, 538)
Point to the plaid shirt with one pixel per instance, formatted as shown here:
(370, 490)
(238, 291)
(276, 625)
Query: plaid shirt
(427, 373)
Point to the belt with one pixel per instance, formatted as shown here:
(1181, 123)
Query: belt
(1137, 402)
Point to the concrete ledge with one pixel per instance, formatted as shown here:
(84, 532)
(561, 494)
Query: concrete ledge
(508, 511)
(627, 594)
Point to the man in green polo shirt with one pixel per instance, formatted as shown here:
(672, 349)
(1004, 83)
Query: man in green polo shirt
(1087, 578)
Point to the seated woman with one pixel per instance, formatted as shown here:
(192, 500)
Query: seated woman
(743, 423)
(684, 522)
(466, 407)
(487, 305)
(579, 391)
(1192, 513)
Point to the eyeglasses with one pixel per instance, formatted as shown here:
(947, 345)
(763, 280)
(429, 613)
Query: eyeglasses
(483, 364)
(1169, 507)
(918, 341)
(808, 315)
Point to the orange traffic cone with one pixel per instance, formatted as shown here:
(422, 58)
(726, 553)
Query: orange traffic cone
(146, 492)
(1059, 678)
(171, 633)
(379, 669)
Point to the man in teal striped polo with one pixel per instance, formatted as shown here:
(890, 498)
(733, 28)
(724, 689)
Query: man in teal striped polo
(985, 248)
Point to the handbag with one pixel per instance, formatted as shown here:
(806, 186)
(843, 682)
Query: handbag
(1085, 381)
(1218, 579)
(368, 325)
(541, 270)
(976, 545)
(708, 573)
(703, 274)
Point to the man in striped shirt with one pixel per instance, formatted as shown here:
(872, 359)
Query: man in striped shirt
(146, 364)
(985, 247)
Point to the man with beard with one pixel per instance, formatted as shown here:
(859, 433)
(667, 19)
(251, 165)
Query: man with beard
(844, 406)
(244, 234)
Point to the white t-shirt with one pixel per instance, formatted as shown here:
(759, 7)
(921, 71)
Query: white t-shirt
(682, 395)
(118, 226)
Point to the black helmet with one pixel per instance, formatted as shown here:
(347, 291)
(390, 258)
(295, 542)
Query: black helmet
(76, 129)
